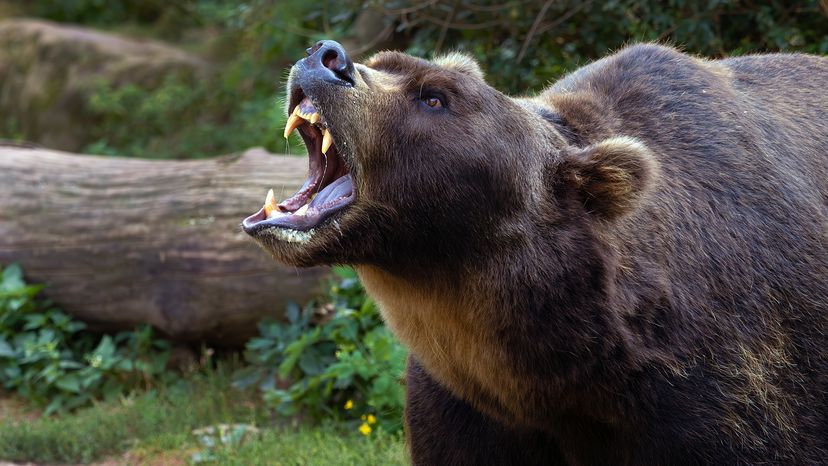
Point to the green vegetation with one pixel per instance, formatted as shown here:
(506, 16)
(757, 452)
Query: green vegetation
(160, 423)
(184, 118)
(524, 45)
(238, 104)
(521, 44)
(323, 446)
(46, 358)
(339, 363)
(333, 361)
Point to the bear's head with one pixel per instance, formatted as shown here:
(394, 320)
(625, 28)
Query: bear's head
(420, 165)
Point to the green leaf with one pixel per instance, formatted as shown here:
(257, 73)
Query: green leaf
(54, 406)
(257, 344)
(293, 312)
(246, 377)
(125, 365)
(34, 321)
(70, 364)
(106, 348)
(6, 350)
(12, 278)
(69, 383)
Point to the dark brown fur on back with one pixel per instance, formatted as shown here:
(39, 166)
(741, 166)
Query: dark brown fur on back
(629, 268)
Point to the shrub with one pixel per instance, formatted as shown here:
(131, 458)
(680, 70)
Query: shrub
(336, 361)
(523, 45)
(239, 105)
(46, 357)
(184, 118)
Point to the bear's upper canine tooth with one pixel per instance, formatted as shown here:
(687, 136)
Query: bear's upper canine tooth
(270, 203)
(294, 121)
(302, 210)
(327, 140)
(314, 118)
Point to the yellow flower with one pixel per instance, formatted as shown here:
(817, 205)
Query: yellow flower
(349, 404)
(364, 429)
(372, 419)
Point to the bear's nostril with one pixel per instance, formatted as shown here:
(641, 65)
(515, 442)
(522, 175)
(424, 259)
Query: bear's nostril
(331, 57)
(329, 60)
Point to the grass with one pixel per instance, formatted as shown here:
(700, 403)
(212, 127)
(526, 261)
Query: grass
(155, 428)
(325, 445)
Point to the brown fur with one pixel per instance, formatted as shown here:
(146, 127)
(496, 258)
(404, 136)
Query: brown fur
(452, 346)
(629, 268)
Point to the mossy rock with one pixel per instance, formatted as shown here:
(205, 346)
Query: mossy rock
(48, 71)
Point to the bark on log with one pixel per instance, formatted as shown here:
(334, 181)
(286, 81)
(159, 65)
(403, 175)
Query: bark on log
(125, 241)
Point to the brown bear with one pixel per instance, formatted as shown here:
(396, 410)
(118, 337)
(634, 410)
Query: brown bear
(629, 268)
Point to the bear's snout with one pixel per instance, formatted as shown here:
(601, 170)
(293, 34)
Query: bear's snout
(328, 61)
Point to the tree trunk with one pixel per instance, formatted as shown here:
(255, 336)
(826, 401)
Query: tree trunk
(123, 241)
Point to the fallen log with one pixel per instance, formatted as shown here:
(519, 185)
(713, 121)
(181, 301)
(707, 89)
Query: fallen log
(124, 241)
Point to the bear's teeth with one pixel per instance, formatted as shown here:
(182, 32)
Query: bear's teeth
(294, 121)
(270, 203)
(327, 140)
(298, 117)
(302, 211)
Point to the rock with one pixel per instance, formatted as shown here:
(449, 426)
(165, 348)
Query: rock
(48, 71)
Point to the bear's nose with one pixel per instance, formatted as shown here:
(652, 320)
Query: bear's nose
(330, 57)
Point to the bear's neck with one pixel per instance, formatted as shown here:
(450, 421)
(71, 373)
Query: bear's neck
(516, 342)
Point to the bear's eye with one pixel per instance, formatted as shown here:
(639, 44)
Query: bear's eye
(433, 102)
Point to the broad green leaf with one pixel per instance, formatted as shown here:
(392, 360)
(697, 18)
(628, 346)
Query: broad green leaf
(6, 350)
(69, 383)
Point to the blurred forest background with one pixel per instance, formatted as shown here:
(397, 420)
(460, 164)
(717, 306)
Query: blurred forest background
(194, 79)
(230, 97)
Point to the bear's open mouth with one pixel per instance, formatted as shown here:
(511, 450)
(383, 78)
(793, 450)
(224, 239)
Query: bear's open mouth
(328, 188)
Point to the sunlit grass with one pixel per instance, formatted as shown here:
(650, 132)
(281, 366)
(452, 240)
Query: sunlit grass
(156, 428)
(311, 446)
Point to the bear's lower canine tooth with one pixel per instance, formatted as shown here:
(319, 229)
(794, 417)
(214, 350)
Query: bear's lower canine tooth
(292, 123)
(270, 203)
(327, 140)
(302, 211)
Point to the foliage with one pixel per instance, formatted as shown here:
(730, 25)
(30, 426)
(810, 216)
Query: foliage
(525, 44)
(171, 15)
(522, 45)
(239, 105)
(97, 11)
(322, 445)
(45, 356)
(162, 426)
(222, 436)
(343, 364)
(183, 118)
(160, 418)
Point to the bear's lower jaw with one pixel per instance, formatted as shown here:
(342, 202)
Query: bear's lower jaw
(322, 205)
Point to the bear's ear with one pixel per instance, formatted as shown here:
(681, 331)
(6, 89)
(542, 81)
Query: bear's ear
(460, 62)
(610, 177)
